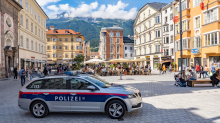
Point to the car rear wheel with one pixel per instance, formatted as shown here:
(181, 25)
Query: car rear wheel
(39, 109)
(115, 109)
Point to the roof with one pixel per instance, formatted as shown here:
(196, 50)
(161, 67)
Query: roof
(128, 39)
(112, 28)
(95, 53)
(18, 4)
(62, 32)
(41, 8)
(155, 5)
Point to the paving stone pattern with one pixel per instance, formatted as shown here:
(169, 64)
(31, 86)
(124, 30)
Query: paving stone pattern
(162, 103)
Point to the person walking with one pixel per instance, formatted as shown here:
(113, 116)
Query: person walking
(36, 69)
(160, 68)
(22, 74)
(192, 67)
(45, 71)
(31, 73)
(50, 69)
(28, 72)
(201, 71)
(206, 71)
(197, 68)
(15, 71)
(164, 69)
(39, 72)
(213, 69)
(170, 68)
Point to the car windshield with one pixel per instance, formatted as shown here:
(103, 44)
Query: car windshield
(98, 81)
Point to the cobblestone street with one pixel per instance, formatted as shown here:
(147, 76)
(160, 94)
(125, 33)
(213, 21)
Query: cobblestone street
(162, 102)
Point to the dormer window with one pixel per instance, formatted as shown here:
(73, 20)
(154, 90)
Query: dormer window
(67, 31)
(54, 31)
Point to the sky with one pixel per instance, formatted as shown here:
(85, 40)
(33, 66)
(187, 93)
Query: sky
(113, 9)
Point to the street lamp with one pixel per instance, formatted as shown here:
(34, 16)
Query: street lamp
(72, 46)
(181, 33)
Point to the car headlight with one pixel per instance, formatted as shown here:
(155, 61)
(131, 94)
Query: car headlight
(132, 96)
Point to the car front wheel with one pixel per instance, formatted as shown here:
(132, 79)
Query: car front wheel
(115, 109)
(39, 109)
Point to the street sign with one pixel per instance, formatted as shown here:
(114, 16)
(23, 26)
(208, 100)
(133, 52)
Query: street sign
(194, 51)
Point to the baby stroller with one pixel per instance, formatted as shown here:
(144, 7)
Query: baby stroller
(179, 81)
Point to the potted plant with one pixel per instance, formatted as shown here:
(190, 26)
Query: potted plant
(174, 65)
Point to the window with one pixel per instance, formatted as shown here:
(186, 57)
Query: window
(125, 54)
(197, 42)
(78, 39)
(48, 55)
(79, 84)
(165, 11)
(54, 46)
(211, 39)
(72, 47)
(197, 22)
(60, 55)
(140, 51)
(48, 47)
(57, 83)
(21, 20)
(21, 2)
(48, 39)
(118, 48)
(35, 30)
(111, 48)
(35, 15)
(72, 39)
(140, 40)
(171, 52)
(171, 39)
(111, 33)
(26, 5)
(35, 85)
(139, 29)
(39, 33)
(125, 48)
(157, 33)
(38, 18)
(144, 38)
(111, 56)
(31, 10)
(157, 19)
(36, 46)
(54, 55)
(27, 24)
(171, 27)
(135, 52)
(157, 48)
(145, 52)
(150, 50)
(111, 40)
(60, 39)
(31, 45)
(66, 47)
(118, 56)
(211, 15)
(149, 37)
(27, 44)
(54, 39)
(118, 40)
(149, 24)
(171, 16)
(144, 15)
(131, 48)
(66, 39)
(39, 47)
(131, 55)
(196, 3)
(32, 28)
(60, 47)
(185, 43)
(118, 34)
(21, 41)
(66, 55)
(148, 12)
(72, 55)
(166, 19)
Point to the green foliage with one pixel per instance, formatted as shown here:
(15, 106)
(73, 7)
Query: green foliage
(94, 49)
(158, 65)
(111, 66)
(91, 65)
(78, 59)
(103, 64)
(82, 65)
(134, 66)
(91, 30)
(125, 65)
(174, 64)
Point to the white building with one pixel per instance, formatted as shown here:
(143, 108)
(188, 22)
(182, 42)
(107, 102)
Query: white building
(168, 33)
(128, 43)
(148, 34)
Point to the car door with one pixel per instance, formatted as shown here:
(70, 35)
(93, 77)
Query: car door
(55, 93)
(83, 99)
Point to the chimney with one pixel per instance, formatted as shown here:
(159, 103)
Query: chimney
(115, 25)
(51, 27)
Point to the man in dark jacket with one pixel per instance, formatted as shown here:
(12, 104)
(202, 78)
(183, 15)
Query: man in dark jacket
(22, 74)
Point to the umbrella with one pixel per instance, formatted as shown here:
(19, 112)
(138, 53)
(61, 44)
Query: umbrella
(94, 61)
(121, 60)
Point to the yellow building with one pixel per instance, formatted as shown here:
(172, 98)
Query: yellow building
(63, 45)
(32, 34)
(87, 50)
(200, 33)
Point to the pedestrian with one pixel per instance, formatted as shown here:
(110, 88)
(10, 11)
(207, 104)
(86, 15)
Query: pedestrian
(201, 71)
(39, 72)
(170, 68)
(184, 68)
(36, 69)
(50, 69)
(197, 68)
(160, 68)
(164, 69)
(45, 71)
(22, 74)
(31, 73)
(28, 72)
(206, 71)
(192, 67)
(15, 71)
(213, 69)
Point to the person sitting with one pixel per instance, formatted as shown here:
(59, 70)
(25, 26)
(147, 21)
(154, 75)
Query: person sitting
(215, 78)
(192, 75)
(104, 71)
(180, 81)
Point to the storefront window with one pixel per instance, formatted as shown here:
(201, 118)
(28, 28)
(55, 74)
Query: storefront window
(185, 62)
(155, 63)
(215, 60)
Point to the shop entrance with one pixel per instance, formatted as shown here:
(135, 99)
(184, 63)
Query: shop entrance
(197, 60)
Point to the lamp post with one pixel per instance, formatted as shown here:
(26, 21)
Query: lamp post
(181, 33)
(72, 46)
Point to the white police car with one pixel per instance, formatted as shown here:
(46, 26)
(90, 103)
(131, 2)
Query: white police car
(80, 93)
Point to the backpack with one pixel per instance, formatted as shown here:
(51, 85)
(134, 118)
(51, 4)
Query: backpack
(23, 73)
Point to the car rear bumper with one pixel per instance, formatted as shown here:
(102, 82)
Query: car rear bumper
(24, 104)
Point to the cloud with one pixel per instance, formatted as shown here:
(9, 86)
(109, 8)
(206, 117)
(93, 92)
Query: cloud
(45, 2)
(94, 10)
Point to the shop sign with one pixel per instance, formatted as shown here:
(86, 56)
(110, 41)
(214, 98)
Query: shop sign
(147, 56)
(194, 51)
(166, 58)
(32, 57)
(155, 56)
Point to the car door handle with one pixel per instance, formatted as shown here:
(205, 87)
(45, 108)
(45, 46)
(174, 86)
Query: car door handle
(46, 93)
(72, 93)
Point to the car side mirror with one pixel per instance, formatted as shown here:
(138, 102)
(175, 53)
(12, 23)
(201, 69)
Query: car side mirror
(92, 88)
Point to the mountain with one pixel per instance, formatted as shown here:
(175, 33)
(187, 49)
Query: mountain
(90, 27)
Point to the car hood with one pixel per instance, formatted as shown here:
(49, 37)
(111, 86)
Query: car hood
(122, 89)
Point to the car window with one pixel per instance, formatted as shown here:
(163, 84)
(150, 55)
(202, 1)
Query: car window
(58, 83)
(35, 85)
(99, 82)
(79, 84)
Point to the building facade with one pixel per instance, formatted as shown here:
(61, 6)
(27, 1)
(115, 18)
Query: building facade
(94, 55)
(8, 36)
(168, 34)
(86, 50)
(63, 45)
(32, 35)
(148, 34)
(200, 43)
(128, 43)
(111, 43)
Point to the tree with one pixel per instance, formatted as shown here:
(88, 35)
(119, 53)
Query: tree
(78, 59)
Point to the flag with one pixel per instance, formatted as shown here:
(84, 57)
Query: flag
(175, 15)
(145, 26)
(136, 33)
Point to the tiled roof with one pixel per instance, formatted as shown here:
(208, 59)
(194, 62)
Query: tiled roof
(128, 39)
(156, 5)
(95, 53)
(63, 32)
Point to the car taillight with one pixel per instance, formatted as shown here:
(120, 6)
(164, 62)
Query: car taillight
(20, 94)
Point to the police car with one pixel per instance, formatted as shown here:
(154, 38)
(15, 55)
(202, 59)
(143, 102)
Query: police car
(79, 93)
